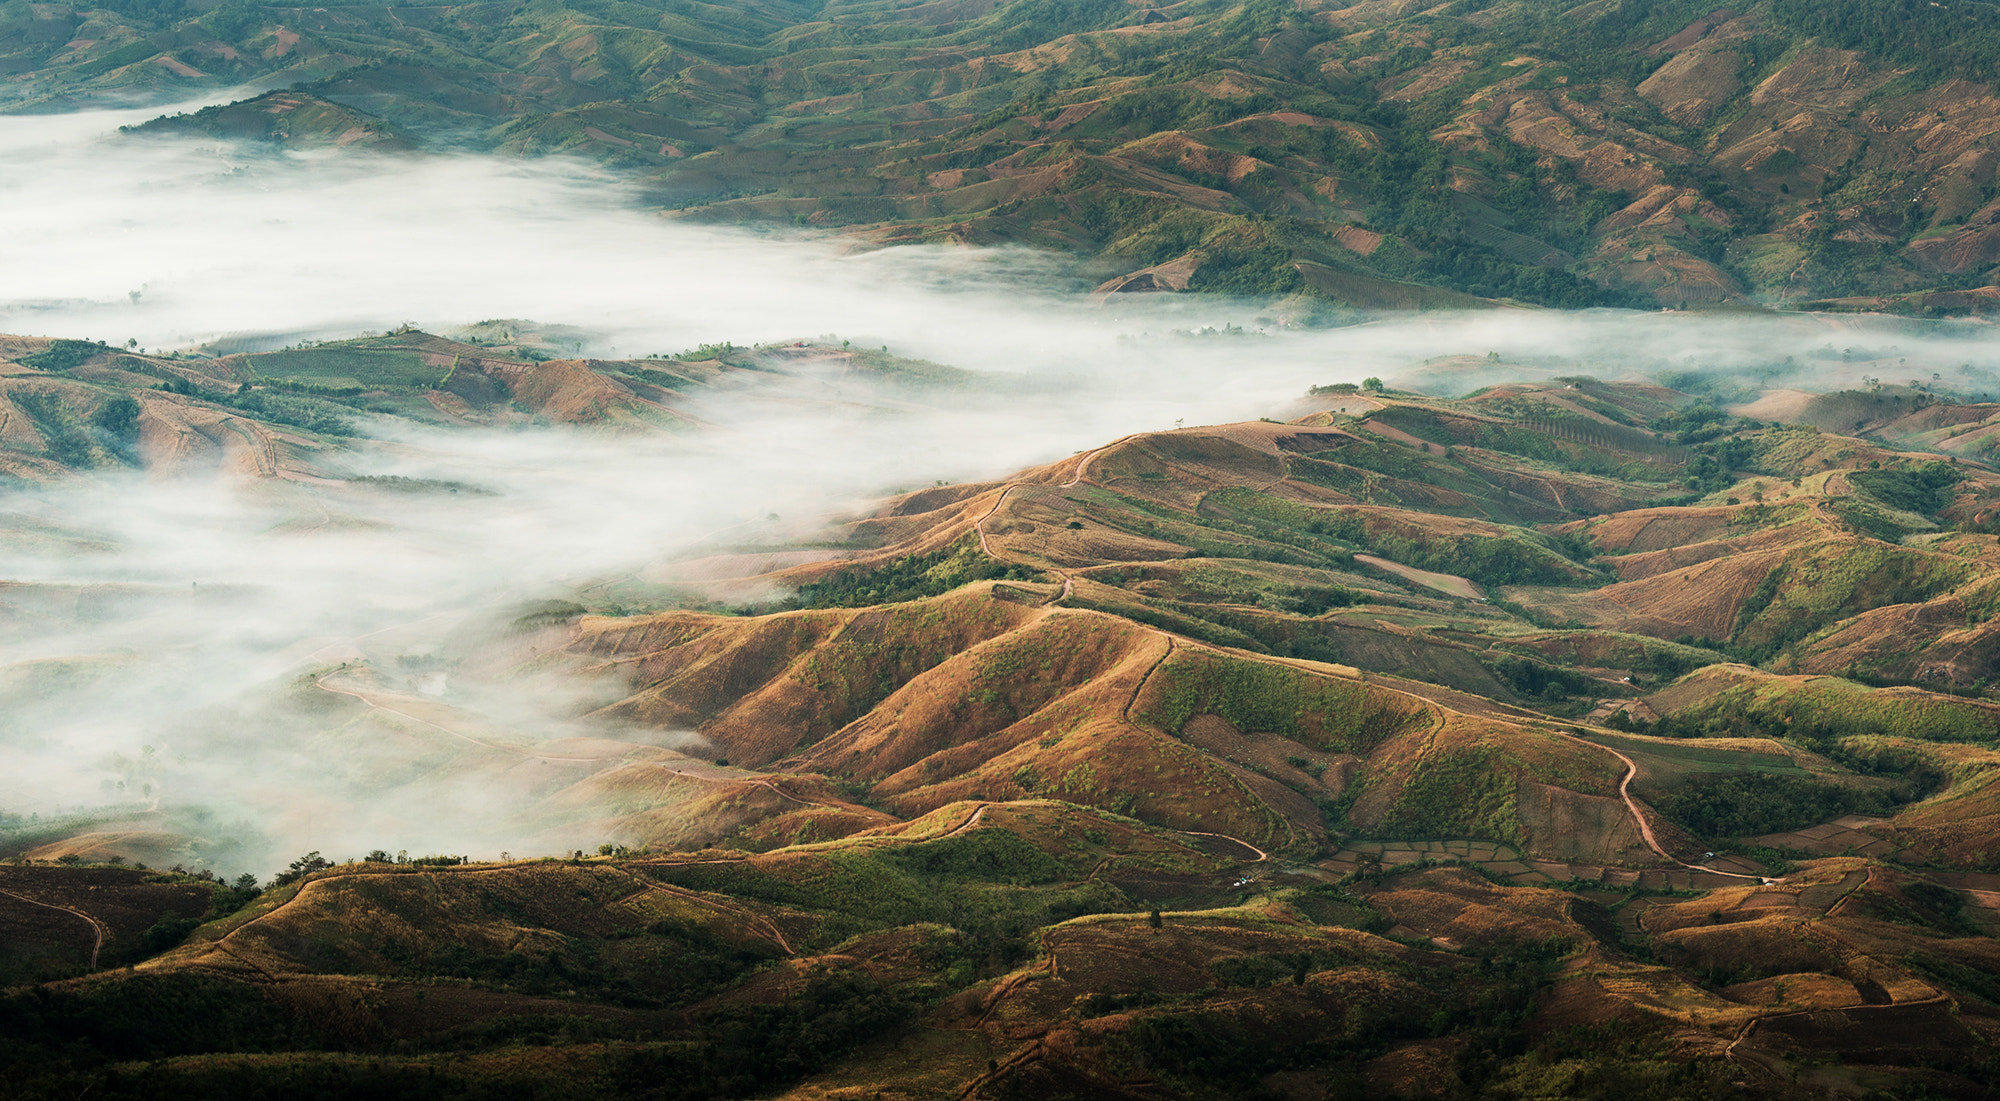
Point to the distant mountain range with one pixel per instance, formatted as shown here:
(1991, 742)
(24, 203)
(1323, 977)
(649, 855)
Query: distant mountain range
(1383, 154)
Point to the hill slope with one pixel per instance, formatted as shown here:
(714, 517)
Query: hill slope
(1130, 775)
(1384, 155)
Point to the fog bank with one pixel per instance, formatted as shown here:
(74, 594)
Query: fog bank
(197, 617)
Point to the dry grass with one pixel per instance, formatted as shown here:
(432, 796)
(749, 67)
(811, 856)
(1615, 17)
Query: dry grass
(1699, 600)
(37, 931)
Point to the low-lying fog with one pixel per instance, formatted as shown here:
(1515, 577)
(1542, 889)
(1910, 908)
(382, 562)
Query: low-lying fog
(153, 632)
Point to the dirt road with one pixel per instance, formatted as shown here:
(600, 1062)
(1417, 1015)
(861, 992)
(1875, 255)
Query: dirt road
(1624, 786)
(1262, 856)
(96, 926)
(1076, 479)
(1645, 827)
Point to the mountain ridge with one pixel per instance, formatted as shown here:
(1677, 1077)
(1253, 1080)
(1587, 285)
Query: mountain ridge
(1650, 154)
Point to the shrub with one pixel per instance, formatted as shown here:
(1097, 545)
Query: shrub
(64, 354)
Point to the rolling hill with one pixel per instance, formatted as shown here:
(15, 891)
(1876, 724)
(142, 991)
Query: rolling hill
(1566, 738)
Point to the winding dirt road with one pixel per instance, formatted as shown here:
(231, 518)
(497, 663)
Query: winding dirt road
(1262, 856)
(1125, 714)
(977, 813)
(1624, 785)
(96, 926)
(1645, 827)
(749, 781)
(1076, 479)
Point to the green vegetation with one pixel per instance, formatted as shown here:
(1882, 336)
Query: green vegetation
(173, 929)
(748, 1049)
(1832, 582)
(911, 578)
(913, 373)
(1823, 710)
(145, 1016)
(61, 431)
(1563, 440)
(299, 412)
(1537, 681)
(1942, 41)
(54, 1043)
(1487, 559)
(1463, 795)
(1336, 715)
(985, 856)
(1715, 806)
(301, 868)
(1519, 557)
(264, 404)
(118, 419)
(1924, 489)
(663, 963)
(994, 892)
(355, 366)
(103, 439)
(1203, 1052)
(61, 355)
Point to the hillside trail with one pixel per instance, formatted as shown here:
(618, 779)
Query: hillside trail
(1262, 856)
(973, 819)
(977, 813)
(1645, 827)
(1455, 701)
(1125, 713)
(96, 926)
(754, 920)
(1076, 479)
(1624, 785)
(748, 781)
(1850, 1012)
(1470, 706)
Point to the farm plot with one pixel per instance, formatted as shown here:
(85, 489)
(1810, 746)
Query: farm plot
(338, 367)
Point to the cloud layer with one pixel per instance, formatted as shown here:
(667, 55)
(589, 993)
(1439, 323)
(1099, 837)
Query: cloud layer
(179, 615)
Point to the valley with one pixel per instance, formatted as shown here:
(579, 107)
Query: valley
(1281, 550)
(1565, 730)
